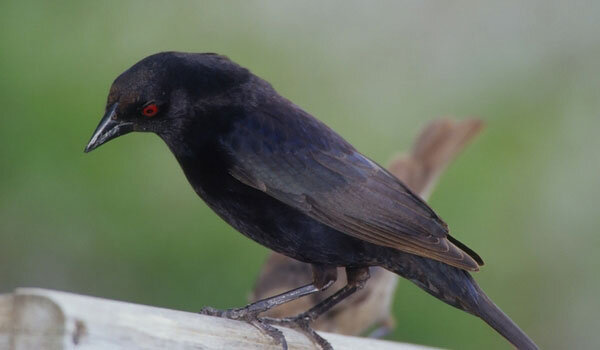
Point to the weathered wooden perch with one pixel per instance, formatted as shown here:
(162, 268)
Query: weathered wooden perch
(45, 319)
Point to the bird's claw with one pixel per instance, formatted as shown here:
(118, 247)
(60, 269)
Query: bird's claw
(211, 311)
(271, 331)
(232, 314)
(244, 314)
(301, 323)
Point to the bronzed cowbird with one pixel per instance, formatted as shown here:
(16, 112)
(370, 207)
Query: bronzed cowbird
(419, 169)
(289, 182)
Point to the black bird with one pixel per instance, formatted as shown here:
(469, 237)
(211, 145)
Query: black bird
(289, 182)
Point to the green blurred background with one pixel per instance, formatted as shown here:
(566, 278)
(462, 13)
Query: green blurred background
(123, 223)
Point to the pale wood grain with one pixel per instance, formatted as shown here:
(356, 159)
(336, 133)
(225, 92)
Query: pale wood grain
(34, 319)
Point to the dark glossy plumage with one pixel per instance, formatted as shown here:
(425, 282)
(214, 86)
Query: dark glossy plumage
(287, 181)
(286, 153)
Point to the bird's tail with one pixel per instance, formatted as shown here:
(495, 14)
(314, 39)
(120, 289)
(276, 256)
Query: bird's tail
(492, 315)
(457, 288)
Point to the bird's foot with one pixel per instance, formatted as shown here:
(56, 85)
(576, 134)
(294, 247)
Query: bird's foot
(238, 313)
(301, 323)
(250, 316)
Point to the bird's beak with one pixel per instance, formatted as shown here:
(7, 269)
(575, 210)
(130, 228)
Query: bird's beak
(108, 129)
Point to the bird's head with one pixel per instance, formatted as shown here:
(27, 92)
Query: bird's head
(162, 92)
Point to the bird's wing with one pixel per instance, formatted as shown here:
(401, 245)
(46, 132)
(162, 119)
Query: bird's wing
(301, 162)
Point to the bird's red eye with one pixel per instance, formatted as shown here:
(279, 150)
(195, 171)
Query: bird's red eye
(150, 110)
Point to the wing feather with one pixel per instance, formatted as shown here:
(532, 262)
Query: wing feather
(298, 160)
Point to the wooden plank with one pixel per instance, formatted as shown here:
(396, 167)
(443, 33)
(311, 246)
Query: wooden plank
(32, 319)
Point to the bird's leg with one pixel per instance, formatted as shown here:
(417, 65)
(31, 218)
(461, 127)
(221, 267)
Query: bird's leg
(323, 277)
(357, 278)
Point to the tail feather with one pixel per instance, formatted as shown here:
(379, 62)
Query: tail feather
(492, 315)
(457, 288)
(467, 250)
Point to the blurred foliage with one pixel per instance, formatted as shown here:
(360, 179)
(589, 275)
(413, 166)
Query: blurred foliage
(123, 223)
